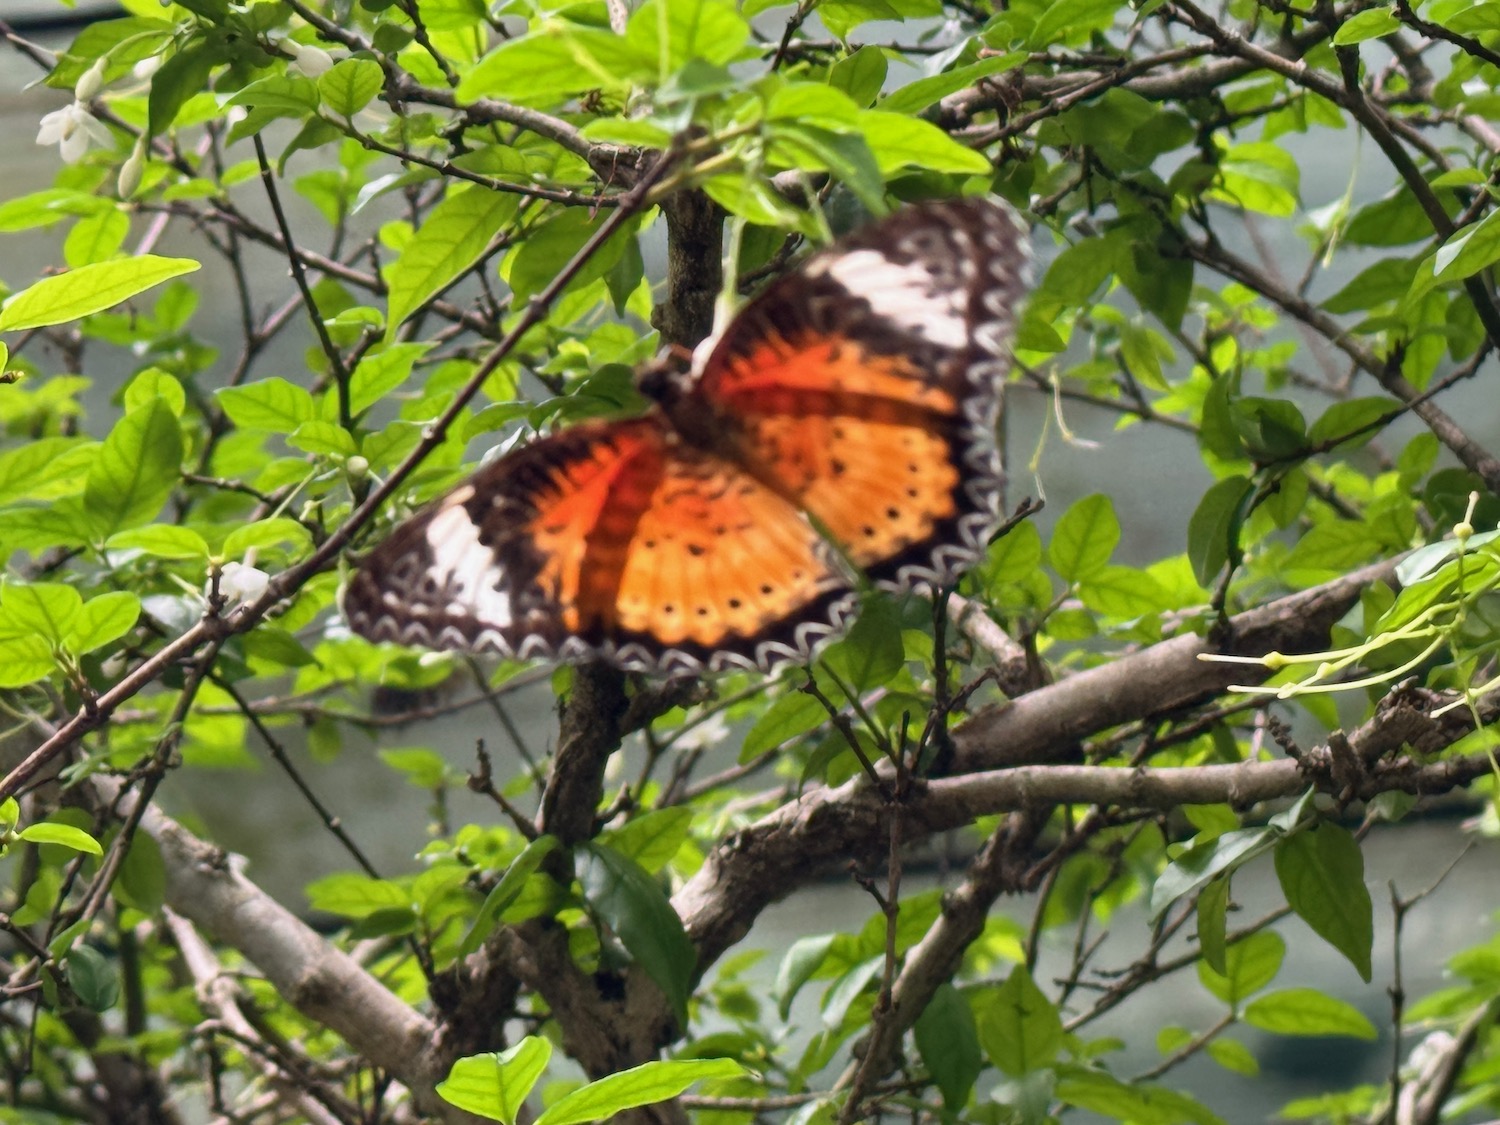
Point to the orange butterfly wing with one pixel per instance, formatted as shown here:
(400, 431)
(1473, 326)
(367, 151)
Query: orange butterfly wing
(866, 385)
(609, 539)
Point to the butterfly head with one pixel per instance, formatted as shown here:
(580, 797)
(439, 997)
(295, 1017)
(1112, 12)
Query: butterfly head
(668, 377)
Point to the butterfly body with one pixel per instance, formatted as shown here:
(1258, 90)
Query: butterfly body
(845, 418)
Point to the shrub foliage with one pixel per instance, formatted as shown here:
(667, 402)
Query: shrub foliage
(426, 226)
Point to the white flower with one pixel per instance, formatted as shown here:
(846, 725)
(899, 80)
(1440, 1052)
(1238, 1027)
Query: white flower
(71, 128)
(712, 731)
(311, 61)
(240, 582)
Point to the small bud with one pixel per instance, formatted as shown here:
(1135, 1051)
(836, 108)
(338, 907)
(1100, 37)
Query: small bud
(357, 467)
(130, 171)
(91, 83)
(146, 68)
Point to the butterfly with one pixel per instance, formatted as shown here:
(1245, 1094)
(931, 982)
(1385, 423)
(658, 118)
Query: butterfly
(843, 424)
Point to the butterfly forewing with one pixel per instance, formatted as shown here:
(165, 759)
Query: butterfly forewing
(868, 381)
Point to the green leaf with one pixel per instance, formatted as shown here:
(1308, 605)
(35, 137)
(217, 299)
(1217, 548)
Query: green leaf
(1123, 591)
(1259, 176)
(348, 87)
(355, 896)
(425, 769)
(1070, 21)
(1369, 24)
(1019, 1027)
(872, 652)
(845, 155)
(652, 838)
(1465, 253)
(1084, 538)
(380, 372)
(163, 541)
(1234, 1056)
(25, 660)
(916, 96)
(265, 534)
(184, 74)
(802, 961)
(1353, 422)
(1213, 905)
(898, 141)
(446, 246)
(949, 1044)
(1252, 963)
(1306, 1011)
(860, 75)
(45, 468)
(269, 404)
(552, 245)
(646, 1084)
(793, 714)
(63, 834)
(138, 466)
(636, 908)
(41, 609)
(88, 289)
(505, 892)
(292, 94)
(102, 620)
(143, 875)
(497, 1085)
(1322, 874)
(92, 978)
(674, 32)
(1206, 860)
(1139, 1103)
(318, 436)
(1214, 527)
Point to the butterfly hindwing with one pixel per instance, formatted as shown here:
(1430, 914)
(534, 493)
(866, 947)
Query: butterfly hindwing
(610, 539)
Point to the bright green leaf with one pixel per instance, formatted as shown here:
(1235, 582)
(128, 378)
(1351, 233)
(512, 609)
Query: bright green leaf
(88, 289)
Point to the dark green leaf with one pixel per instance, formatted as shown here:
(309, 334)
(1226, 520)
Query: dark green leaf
(92, 978)
(949, 1044)
(184, 74)
(1322, 874)
(1207, 860)
(632, 904)
(1213, 902)
(1214, 528)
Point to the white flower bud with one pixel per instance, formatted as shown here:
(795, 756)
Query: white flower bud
(91, 83)
(130, 171)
